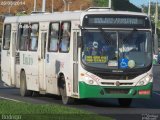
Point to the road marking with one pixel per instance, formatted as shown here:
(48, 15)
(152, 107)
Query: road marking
(10, 99)
(156, 93)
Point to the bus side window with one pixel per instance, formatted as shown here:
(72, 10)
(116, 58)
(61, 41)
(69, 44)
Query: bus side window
(7, 37)
(65, 36)
(23, 36)
(33, 43)
(53, 37)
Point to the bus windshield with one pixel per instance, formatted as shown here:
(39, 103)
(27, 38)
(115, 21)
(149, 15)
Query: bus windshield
(107, 49)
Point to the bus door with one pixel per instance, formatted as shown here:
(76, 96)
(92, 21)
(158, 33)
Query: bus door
(8, 54)
(41, 59)
(75, 61)
(13, 55)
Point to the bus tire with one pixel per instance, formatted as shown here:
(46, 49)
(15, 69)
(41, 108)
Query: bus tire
(62, 89)
(125, 102)
(23, 86)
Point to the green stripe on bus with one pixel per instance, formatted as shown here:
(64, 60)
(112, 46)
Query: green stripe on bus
(95, 91)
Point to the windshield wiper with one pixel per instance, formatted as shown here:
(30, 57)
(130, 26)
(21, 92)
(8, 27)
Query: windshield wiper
(130, 34)
(105, 36)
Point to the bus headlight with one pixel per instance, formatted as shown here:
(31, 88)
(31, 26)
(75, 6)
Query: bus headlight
(90, 81)
(145, 80)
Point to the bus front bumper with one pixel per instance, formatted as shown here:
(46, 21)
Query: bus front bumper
(93, 91)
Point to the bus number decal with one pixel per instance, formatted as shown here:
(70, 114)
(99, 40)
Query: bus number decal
(27, 60)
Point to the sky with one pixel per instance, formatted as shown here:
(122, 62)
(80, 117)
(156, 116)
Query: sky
(141, 2)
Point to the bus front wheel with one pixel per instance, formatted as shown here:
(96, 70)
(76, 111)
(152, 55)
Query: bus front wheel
(125, 102)
(62, 89)
(23, 86)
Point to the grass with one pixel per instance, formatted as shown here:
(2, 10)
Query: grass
(28, 111)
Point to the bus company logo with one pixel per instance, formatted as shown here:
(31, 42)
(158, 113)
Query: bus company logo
(117, 83)
(150, 117)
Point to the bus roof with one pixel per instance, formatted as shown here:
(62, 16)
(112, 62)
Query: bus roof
(65, 16)
(44, 17)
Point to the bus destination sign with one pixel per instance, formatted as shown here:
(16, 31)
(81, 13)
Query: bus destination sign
(116, 21)
(125, 21)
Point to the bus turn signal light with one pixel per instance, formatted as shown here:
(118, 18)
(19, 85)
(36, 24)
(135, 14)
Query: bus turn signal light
(144, 92)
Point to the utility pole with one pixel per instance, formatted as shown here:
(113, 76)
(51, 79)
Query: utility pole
(110, 4)
(149, 8)
(155, 35)
(69, 5)
(81, 6)
(35, 3)
(156, 17)
(65, 4)
(52, 6)
(9, 10)
(43, 5)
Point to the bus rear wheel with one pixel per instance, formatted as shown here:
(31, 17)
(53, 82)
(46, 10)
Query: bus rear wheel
(62, 88)
(23, 86)
(125, 102)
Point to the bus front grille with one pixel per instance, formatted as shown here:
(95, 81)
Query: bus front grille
(121, 84)
(116, 77)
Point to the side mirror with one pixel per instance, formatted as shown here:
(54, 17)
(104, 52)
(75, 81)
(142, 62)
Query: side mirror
(79, 41)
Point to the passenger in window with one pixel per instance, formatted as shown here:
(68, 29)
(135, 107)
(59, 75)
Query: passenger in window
(34, 42)
(93, 48)
(23, 43)
(109, 51)
(108, 48)
(65, 42)
(95, 51)
(34, 37)
(88, 39)
(24, 38)
(53, 41)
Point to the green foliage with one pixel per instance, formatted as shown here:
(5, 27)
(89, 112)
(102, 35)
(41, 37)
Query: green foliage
(29, 111)
(100, 3)
(145, 10)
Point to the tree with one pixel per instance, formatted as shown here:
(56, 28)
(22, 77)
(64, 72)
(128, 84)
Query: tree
(100, 3)
(145, 10)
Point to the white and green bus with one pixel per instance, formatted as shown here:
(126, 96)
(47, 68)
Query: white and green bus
(98, 53)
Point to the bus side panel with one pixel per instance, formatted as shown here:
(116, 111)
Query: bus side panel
(18, 70)
(5, 58)
(29, 62)
(52, 72)
(5, 67)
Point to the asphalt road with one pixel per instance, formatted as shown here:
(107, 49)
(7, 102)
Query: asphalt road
(140, 108)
